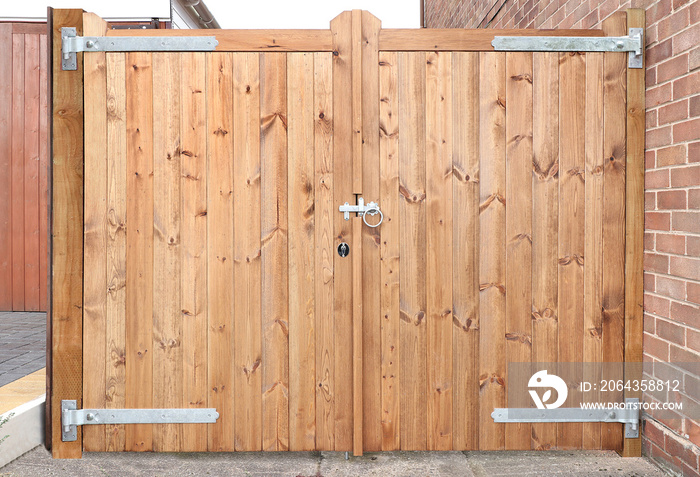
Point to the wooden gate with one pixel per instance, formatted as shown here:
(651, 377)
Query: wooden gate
(511, 188)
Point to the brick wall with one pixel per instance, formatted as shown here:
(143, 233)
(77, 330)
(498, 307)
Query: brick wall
(672, 196)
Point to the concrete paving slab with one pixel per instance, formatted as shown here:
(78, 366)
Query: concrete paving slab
(331, 464)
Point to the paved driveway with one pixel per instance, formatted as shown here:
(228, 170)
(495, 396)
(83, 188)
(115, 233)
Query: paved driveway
(22, 344)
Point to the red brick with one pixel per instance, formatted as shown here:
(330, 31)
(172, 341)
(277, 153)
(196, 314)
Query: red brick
(649, 324)
(687, 130)
(649, 282)
(670, 243)
(693, 293)
(590, 20)
(607, 8)
(657, 220)
(693, 60)
(685, 267)
(648, 241)
(650, 119)
(657, 11)
(692, 339)
(686, 39)
(655, 347)
(694, 152)
(670, 156)
(694, 106)
(695, 12)
(693, 431)
(658, 137)
(693, 246)
(653, 262)
(658, 53)
(683, 451)
(671, 199)
(686, 86)
(673, 112)
(673, 68)
(686, 222)
(654, 433)
(673, 24)
(650, 77)
(679, 3)
(649, 159)
(688, 176)
(656, 179)
(659, 95)
(688, 314)
(670, 332)
(649, 200)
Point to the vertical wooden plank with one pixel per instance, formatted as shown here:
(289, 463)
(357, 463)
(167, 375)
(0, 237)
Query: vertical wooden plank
(341, 28)
(139, 244)
(356, 92)
(115, 396)
(465, 250)
(43, 178)
(275, 287)
(519, 131)
(18, 96)
(572, 107)
(167, 312)
(32, 108)
(545, 224)
(614, 158)
(246, 253)
(66, 322)
(634, 228)
(357, 352)
(593, 251)
(220, 248)
(390, 248)
(492, 240)
(438, 172)
(371, 263)
(6, 123)
(412, 218)
(95, 241)
(193, 242)
(324, 251)
(301, 216)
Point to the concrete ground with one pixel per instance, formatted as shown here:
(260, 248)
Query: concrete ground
(22, 344)
(325, 464)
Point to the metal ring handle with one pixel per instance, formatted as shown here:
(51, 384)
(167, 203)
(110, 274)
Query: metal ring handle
(373, 211)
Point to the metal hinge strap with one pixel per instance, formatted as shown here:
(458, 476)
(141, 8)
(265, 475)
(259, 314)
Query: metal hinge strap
(629, 415)
(71, 417)
(72, 44)
(633, 43)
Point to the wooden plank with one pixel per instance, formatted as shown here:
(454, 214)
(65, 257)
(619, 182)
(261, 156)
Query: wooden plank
(371, 259)
(18, 96)
(572, 211)
(193, 243)
(301, 217)
(43, 177)
(634, 227)
(390, 249)
(95, 230)
(450, 39)
(139, 244)
(6, 91)
(167, 217)
(593, 251)
(356, 91)
(66, 333)
(465, 252)
(438, 284)
(115, 395)
(412, 216)
(342, 192)
(250, 40)
(32, 106)
(492, 239)
(357, 355)
(615, 158)
(519, 130)
(275, 287)
(246, 253)
(545, 224)
(324, 251)
(29, 28)
(220, 248)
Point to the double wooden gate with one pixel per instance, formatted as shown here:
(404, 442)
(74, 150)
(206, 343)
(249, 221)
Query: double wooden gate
(210, 272)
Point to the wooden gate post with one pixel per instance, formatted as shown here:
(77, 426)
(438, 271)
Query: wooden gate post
(65, 333)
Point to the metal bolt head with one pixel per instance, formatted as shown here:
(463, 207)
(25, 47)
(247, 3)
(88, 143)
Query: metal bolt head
(619, 45)
(90, 417)
(89, 43)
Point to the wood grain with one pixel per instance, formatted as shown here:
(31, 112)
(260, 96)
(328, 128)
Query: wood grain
(6, 123)
(246, 253)
(412, 219)
(465, 253)
(275, 288)
(43, 176)
(17, 174)
(492, 239)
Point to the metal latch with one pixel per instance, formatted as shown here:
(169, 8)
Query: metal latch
(633, 43)
(627, 415)
(363, 211)
(72, 44)
(71, 417)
